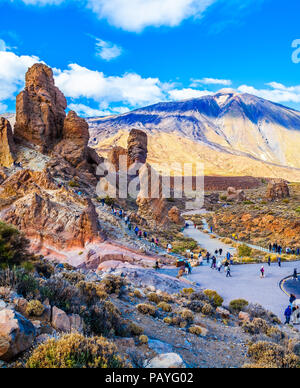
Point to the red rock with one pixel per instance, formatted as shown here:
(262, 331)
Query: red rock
(7, 144)
(40, 109)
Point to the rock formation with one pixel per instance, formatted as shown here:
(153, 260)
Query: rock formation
(7, 144)
(235, 195)
(40, 109)
(277, 189)
(74, 146)
(137, 147)
(175, 216)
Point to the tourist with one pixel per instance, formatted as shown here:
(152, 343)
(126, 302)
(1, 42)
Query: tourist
(288, 314)
(140, 234)
(156, 265)
(169, 248)
(262, 272)
(219, 265)
(279, 262)
(269, 261)
(192, 255)
(156, 242)
(211, 229)
(292, 299)
(145, 235)
(270, 248)
(136, 230)
(295, 275)
(220, 251)
(228, 272)
(208, 257)
(214, 261)
(298, 251)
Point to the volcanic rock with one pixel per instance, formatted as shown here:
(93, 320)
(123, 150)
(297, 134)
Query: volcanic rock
(277, 189)
(235, 195)
(40, 109)
(175, 216)
(7, 144)
(137, 146)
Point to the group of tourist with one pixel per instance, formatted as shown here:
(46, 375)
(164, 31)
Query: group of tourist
(276, 248)
(140, 234)
(292, 313)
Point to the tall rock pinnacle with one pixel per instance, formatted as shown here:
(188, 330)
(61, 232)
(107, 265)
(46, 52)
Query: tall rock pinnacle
(40, 109)
(7, 145)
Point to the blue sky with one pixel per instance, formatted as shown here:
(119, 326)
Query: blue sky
(110, 56)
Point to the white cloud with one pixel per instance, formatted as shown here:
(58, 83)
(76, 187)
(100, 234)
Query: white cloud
(131, 88)
(12, 72)
(135, 15)
(3, 46)
(3, 108)
(185, 94)
(277, 92)
(86, 111)
(211, 81)
(107, 50)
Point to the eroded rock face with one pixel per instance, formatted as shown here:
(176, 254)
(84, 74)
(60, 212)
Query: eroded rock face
(137, 146)
(16, 334)
(152, 205)
(40, 109)
(115, 158)
(235, 195)
(7, 144)
(74, 146)
(277, 189)
(175, 216)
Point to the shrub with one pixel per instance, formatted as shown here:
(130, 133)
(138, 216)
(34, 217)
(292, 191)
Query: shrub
(207, 309)
(188, 291)
(257, 311)
(187, 315)
(196, 306)
(196, 330)
(13, 246)
(135, 329)
(73, 277)
(143, 340)
(237, 305)
(74, 184)
(137, 294)
(165, 307)
(35, 308)
(105, 319)
(168, 320)
(145, 308)
(214, 298)
(270, 355)
(75, 351)
(113, 285)
(257, 326)
(244, 250)
(153, 297)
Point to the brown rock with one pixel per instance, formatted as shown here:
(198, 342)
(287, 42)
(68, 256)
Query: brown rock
(235, 195)
(175, 216)
(7, 144)
(40, 109)
(277, 189)
(115, 158)
(244, 317)
(137, 146)
(60, 320)
(16, 334)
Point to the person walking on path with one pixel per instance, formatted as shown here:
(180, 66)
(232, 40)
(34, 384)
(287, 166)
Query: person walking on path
(214, 261)
(208, 257)
(269, 261)
(288, 314)
(295, 275)
(136, 231)
(262, 272)
(295, 315)
(219, 265)
(220, 251)
(211, 229)
(279, 262)
(228, 272)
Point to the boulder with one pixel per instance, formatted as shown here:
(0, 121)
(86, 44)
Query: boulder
(7, 144)
(16, 334)
(235, 195)
(76, 323)
(244, 317)
(60, 320)
(40, 109)
(175, 216)
(277, 189)
(223, 312)
(166, 361)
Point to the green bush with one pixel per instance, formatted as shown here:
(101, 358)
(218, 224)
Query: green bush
(244, 251)
(215, 299)
(237, 305)
(13, 246)
(75, 351)
(35, 308)
(74, 184)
